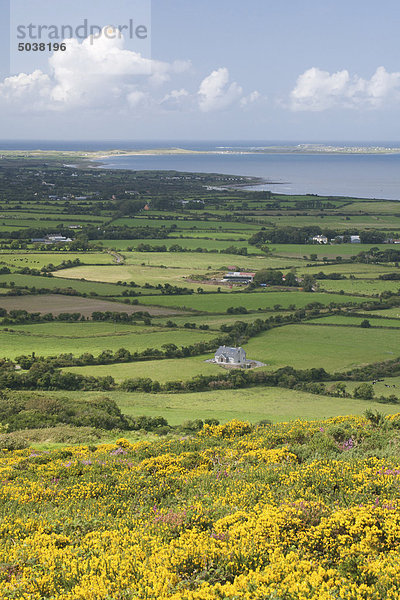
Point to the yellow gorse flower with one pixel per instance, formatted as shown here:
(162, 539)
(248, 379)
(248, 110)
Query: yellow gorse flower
(235, 512)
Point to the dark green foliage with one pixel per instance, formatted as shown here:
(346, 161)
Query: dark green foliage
(34, 411)
(364, 391)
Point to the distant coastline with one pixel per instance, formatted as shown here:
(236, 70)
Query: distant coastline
(99, 155)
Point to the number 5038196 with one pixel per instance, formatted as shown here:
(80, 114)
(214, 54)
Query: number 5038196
(41, 47)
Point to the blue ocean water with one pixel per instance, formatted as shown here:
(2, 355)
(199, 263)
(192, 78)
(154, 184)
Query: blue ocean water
(357, 175)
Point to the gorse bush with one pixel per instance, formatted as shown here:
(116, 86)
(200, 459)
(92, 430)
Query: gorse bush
(300, 510)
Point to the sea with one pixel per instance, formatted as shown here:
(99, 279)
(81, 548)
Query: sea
(287, 170)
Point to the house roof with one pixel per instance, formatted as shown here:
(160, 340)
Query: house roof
(227, 351)
(239, 274)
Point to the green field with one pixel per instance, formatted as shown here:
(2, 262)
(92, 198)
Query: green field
(151, 267)
(356, 321)
(321, 250)
(333, 348)
(386, 387)
(359, 270)
(190, 244)
(367, 287)
(56, 338)
(177, 369)
(387, 312)
(37, 260)
(219, 303)
(252, 404)
(61, 303)
(226, 217)
(189, 224)
(213, 321)
(51, 283)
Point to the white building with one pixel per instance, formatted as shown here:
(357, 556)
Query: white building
(232, 356)
(320, 239)
(56, 239)
(239, 277)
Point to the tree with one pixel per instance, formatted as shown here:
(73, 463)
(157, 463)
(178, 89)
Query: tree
(364, 391)
(268, 276)
(365, 323)
(308, 283)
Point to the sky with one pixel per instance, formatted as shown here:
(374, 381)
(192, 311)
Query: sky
(308, 70)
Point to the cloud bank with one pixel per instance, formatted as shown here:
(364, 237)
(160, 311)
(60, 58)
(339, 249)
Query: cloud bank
(318, 90)
(100, 73)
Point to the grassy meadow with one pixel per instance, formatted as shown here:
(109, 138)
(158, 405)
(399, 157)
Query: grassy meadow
(55, 338)
(131, 281)
(219, 303)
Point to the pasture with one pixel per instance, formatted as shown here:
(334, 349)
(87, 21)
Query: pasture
(332, 348)
(49, 339)
(209, 243)
(356, 321)
(367, 287)
(58, 303)
(52, 283)
(174, 369)
(37, 260)
(176, 268)
(250, 404)
(219, 303)
(321, 250)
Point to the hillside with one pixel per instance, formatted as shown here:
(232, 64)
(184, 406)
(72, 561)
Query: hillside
(296, 510)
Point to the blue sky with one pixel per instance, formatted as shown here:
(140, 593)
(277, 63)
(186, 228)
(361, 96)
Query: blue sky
(312, 70)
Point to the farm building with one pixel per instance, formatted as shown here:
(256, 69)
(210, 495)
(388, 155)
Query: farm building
(320, 239)
(227, 355)
(239, 277)
(52, 239)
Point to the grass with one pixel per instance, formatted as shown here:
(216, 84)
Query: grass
(189, 224)
(321, 250)
(219, 303)
(360, 270)
(140, 274)
(368, 287)
(151, 267)
(56, 338)
(200, 260)
(356, 321)
(159, 370)
(388, 312)
(251, 404)
(59, 303)
(191, 244)
(380, 388)
(51, 283)
(333, 348)
(213, 321)
(37, 260)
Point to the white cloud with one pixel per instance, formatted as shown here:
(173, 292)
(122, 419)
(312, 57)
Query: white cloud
(176, 99)
(99, 73)
(35, 85)
(318, 90)
(216, 93)
(250, 99)
(96, 73)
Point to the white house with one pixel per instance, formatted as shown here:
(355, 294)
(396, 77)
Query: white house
(355, 239)
(320, 239)
(239, 277)
(227, 355)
